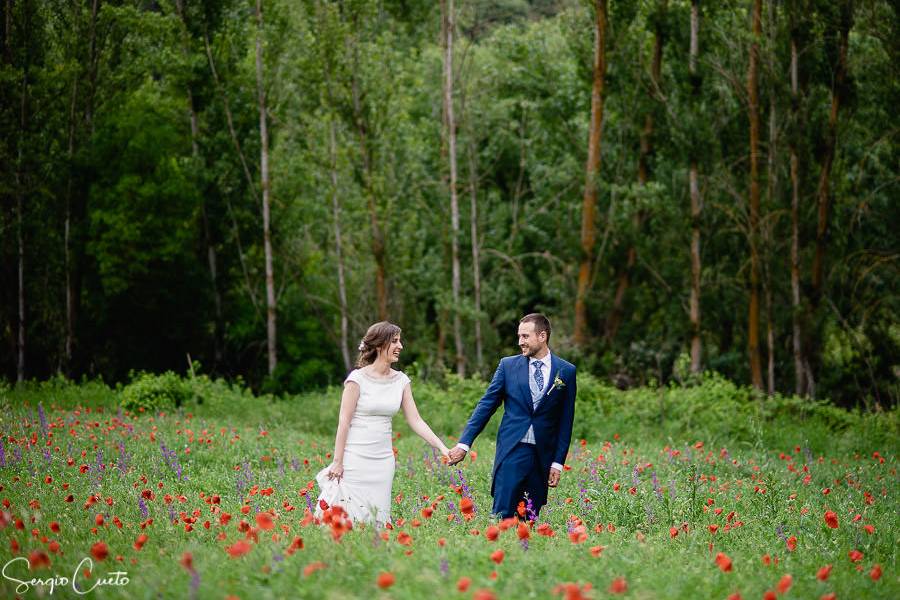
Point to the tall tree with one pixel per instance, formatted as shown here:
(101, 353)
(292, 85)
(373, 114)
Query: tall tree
(753, 223)
(266, 187)
(772, 171)
(592, 173)
(447, 26)
(644, 155)
(694, 191)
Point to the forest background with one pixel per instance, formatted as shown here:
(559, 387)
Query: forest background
(680, 185)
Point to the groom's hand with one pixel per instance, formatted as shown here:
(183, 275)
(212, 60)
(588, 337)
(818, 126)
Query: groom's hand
(554, 477)
(456, 455)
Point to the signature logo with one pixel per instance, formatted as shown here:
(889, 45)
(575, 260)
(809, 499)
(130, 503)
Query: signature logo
(113, 578)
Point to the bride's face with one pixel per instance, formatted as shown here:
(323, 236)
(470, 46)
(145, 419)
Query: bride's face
(391, 352)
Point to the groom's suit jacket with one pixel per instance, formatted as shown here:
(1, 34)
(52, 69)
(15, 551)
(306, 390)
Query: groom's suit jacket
(552, 420)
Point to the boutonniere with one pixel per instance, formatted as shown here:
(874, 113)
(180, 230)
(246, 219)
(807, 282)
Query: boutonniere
(557, 383)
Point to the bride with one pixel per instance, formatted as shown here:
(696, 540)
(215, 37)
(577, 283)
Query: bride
(359, 478)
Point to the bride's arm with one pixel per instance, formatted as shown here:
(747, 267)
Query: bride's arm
(348, 406)
(417, 423)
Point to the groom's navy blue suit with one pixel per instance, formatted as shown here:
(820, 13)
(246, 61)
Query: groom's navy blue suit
(519, 467)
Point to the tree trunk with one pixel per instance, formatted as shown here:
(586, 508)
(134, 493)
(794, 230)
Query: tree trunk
(797, 333)
(211, 259)
(694, 188)
(20, 216)
(244, 166)
(753, 230)
(772, 172)
(338, 242)
(823, 191)
(592, 171)
(264, 180)
(378, 249)
(476, 252)
(67, 236)
(614, 319)
(450, 124)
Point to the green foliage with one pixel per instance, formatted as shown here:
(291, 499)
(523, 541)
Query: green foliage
(152, 393)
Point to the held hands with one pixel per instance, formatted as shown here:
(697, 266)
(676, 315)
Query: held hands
(554, 477)
(336, 472)
(455, 455)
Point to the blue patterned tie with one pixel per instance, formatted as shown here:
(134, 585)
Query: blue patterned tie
(539, 380)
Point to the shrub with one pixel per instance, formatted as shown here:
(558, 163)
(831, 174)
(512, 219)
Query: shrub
(154, 393)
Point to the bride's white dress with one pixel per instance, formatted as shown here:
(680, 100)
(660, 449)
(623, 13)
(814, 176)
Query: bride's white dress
(365, 489)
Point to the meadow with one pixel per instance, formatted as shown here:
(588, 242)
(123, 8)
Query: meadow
(194, 488)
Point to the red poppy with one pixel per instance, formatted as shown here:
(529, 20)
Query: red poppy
(869, 529)
(828, 596)
(98, 520)
(735, 596)
(724, 562)
(54, 527)
(404, 539)
(545, 530)
(792, 543)
(187, 561)
(427, 512)
(140, 541)
(99, 551)
(766, 559)
(618, 586)
(770, 595)
(466, 506)
(523, 531)
(785, 583)
(53, 547)
(38, 559)
(463, 584)
(855, 555)
(831, 519)
(492, 533)
(875, 573)
(313, 567)
(673, 532)
(239, 548)
(484, 594)
(713, 528)
(497, 556)
(264, 521)
(385, 580)
(823, 573)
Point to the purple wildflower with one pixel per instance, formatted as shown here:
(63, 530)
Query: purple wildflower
(43, 417)
(195, 583)
(2, 454)
(445, 567)
(145, 512)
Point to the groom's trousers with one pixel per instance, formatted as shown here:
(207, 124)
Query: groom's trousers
(519, 474)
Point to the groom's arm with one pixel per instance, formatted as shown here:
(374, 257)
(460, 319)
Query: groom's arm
(485, 408)
(566, 419)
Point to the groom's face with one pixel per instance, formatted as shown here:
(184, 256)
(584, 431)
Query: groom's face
(530, 342)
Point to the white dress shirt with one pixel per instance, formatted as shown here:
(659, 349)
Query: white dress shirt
(545, 371)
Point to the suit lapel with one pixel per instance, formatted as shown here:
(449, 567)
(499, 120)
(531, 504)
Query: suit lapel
(554, 372)
(524, 386)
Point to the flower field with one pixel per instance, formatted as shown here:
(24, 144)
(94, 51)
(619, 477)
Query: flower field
(109, 504)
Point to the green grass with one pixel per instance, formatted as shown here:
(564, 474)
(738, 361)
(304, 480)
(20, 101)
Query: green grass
(282, 442)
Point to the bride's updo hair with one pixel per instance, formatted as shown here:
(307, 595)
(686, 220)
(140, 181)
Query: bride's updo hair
(378, 336)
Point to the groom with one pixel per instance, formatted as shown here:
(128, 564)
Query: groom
(538, 389)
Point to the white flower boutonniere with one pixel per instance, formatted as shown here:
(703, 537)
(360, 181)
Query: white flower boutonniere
(558, 383)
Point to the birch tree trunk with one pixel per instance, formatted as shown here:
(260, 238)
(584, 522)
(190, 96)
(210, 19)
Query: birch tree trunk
(476, 251)
(338, 241)
(450, 124)
(264, 180)
(592, 171)
(694, 189)
(753, 225)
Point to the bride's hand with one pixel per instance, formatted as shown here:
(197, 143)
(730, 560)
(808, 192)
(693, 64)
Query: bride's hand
(336, 471)
(445, 454)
